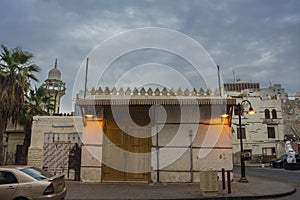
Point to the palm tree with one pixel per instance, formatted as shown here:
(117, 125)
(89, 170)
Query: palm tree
(36, 103)
(16, 71)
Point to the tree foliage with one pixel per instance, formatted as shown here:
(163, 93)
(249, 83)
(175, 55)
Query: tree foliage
(16, 72)
(36, 103)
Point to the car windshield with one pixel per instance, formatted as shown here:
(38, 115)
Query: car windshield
(36, 173)
(283, 157)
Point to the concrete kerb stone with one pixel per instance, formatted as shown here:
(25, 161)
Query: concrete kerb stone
(257, 188)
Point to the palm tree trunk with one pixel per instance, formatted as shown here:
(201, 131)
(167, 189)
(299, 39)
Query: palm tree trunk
(26, 142)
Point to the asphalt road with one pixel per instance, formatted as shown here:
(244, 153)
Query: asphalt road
(291, 177)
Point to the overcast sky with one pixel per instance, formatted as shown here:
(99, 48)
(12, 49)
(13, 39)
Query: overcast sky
(257, 39)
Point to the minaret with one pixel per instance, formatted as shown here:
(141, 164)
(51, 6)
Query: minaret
(55, 88)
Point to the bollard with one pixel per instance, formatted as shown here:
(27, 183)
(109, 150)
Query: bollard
(228, 181)
(223, 178)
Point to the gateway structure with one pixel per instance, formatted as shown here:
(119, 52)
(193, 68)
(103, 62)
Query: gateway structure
(160, 136)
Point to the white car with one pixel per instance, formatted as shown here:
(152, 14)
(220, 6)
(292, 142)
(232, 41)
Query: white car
(30, 183)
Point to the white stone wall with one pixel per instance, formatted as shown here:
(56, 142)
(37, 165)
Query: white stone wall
(187, 145)
(91, 154)
(181, 162)
(46, 124)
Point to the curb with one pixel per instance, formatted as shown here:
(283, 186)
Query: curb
(286, 190)
(222, 197)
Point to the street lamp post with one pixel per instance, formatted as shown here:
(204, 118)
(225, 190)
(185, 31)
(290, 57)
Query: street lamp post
(240, 109)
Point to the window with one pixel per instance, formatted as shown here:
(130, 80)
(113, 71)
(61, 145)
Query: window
(274, 114)
(267, 114)
(7, 178)
(243, 133)
(271, 132)
(36, 173)
(236, 111)
(273, 151)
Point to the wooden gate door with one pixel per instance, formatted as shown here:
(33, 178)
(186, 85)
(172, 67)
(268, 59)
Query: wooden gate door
(139, 160)
(111, 155)
(125, 157)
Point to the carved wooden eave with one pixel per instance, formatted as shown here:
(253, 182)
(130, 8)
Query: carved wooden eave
(152, 100)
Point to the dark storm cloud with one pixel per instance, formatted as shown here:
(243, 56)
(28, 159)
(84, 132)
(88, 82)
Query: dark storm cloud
(258, 39)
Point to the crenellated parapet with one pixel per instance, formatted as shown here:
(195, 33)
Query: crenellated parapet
(150, 92)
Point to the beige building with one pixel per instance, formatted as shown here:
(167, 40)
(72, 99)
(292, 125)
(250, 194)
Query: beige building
(263, 135)
(262, 132)
(153, 138)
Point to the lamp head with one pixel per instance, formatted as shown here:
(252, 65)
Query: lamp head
(251, 111)
(89, 115)
(225, 115)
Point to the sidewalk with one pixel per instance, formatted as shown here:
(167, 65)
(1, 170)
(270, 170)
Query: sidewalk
(257, 187)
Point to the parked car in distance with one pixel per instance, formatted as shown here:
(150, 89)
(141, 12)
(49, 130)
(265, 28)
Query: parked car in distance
(30, 183)
(281, 161)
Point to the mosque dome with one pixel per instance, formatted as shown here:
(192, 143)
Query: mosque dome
(54, 74)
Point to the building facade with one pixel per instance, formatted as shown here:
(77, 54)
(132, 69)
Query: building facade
(146, 136)
(153, 138)
(56, 145)
(263, 132)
